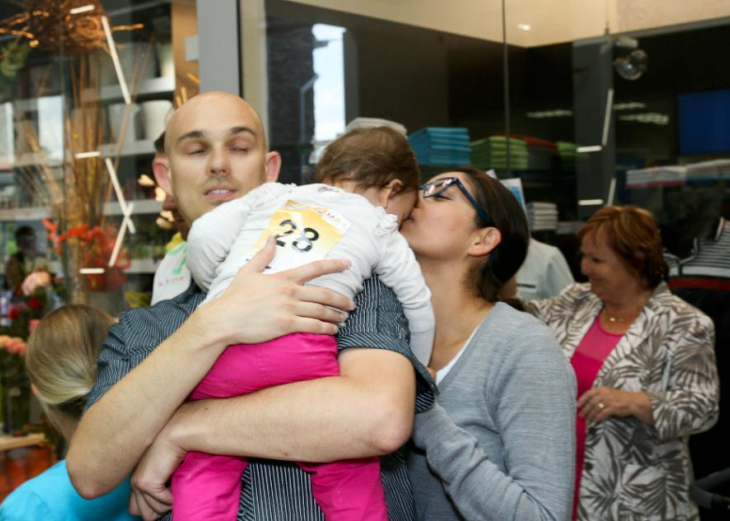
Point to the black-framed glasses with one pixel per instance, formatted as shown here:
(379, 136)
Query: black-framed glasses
(438, 186)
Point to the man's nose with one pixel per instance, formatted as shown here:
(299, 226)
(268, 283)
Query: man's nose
(219, 164)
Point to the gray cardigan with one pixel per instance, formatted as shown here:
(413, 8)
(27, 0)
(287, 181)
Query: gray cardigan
(500, 444)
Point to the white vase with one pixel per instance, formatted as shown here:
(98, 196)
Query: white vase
(155, 113)
(165, 59)
(132, 56)
(116, 120)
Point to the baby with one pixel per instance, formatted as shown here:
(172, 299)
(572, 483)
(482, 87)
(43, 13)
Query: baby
(309, 222)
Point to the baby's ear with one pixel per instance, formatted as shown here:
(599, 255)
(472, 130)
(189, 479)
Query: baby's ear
(389, 191)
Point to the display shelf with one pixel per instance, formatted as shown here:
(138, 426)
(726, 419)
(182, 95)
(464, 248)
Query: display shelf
(141, 206)
(161, 85)
(142, 266)
(131, 149)
(112, 208)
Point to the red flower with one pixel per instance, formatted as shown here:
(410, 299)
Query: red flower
(34, 303)
(13, 314)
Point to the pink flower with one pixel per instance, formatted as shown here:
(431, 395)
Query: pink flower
(37, 279)
(33, 324)
(16, 346)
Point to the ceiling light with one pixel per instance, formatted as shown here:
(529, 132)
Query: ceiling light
(629, 105)
(556, 113)
(82, 9)
(591, 148)
(524, 27)
(87, 155)
(91, 271)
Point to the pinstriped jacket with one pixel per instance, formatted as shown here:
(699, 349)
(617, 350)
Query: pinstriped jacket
(633, 471)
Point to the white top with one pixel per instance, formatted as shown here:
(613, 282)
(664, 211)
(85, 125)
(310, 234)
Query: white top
(172, 276)
(441, 373)
(544, 274)
(342, 225)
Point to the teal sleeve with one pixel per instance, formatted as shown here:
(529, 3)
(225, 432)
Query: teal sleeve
(21, 506)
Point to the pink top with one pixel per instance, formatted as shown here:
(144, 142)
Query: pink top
(587, 360)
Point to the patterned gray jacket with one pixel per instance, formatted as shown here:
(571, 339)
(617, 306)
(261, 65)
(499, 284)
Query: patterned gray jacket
(633, 471)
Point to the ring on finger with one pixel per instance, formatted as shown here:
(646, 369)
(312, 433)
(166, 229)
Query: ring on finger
(601, 405)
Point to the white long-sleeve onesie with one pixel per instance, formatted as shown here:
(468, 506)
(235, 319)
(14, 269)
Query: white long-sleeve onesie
(221, 242)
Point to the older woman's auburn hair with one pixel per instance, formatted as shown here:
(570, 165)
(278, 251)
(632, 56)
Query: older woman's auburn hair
(633, 234)
(62, 353)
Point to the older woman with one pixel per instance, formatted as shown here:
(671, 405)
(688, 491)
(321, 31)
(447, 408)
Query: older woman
(646, 373)
(499, 444)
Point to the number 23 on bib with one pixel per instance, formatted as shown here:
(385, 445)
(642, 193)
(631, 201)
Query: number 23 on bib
(303, 234)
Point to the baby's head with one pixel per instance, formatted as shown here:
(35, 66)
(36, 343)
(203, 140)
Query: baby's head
(377, 163)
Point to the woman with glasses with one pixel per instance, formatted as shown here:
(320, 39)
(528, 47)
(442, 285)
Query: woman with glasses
(499, 444)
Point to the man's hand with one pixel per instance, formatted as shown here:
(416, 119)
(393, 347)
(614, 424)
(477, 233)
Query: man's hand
(151, 498)
(256, 308)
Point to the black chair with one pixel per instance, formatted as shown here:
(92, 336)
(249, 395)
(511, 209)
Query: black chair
(703, 492)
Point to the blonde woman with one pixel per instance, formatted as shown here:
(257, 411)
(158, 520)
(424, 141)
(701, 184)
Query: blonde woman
(61, 363)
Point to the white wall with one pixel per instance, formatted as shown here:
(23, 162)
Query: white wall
(551, 21)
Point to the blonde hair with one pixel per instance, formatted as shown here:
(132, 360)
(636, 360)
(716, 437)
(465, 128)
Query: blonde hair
(61, 357)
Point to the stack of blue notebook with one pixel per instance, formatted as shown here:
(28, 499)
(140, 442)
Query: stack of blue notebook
(442, 146)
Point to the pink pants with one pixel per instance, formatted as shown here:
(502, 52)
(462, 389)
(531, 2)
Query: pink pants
(207, 487)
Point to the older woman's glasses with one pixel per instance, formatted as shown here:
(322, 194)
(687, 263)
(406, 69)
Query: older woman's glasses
(439, 186)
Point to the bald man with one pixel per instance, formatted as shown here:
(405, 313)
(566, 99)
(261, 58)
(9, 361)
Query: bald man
(155, 356)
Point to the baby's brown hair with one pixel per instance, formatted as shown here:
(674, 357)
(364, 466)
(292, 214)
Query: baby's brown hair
(370, 157)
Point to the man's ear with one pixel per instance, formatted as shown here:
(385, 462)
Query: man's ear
(484, 241)
(273, 166)
(161, 171)
(389, 191)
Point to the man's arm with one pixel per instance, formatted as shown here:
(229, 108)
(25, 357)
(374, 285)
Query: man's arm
(366, 411)
(115, 431)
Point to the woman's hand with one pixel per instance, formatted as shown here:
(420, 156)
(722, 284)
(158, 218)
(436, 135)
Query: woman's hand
(603, 402)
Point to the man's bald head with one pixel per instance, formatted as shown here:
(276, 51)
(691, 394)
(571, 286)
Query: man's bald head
(212, 101)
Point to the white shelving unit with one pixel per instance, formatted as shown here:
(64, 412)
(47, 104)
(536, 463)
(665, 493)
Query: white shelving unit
(130, 149)
(141, 266)
(141, 207)
(161, 85)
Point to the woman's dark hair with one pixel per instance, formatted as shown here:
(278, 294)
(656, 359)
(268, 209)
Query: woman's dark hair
(633, 234)
(505, 214)
(372, 158)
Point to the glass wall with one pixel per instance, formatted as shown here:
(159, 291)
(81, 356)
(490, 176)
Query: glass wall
(605, 98)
